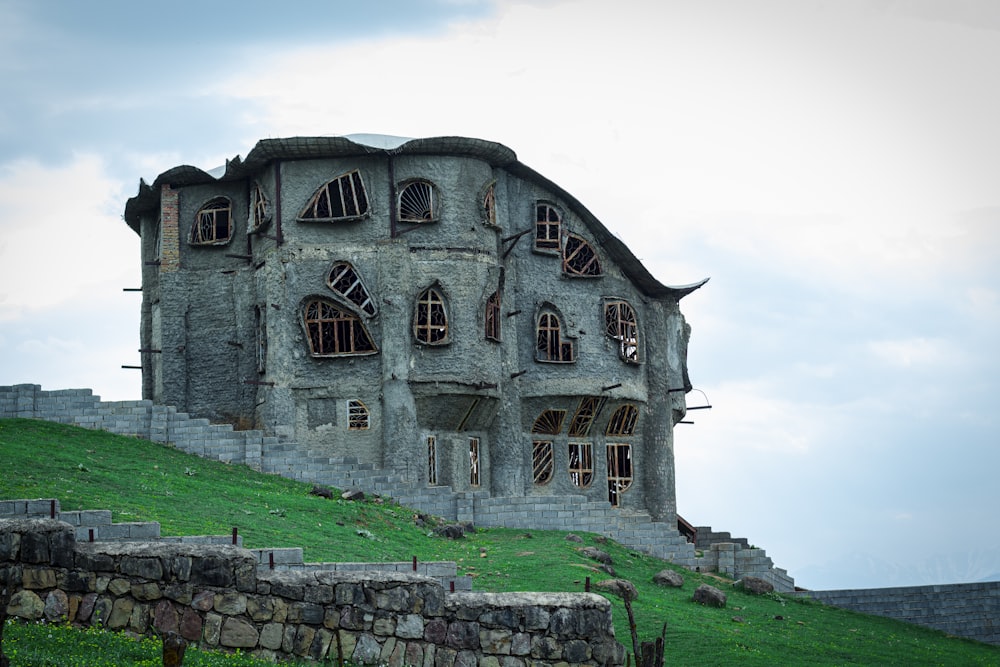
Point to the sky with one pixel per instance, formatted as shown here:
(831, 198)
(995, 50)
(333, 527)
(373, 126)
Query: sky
(832, 166)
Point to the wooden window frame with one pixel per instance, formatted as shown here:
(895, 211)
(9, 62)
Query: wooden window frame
(623, 421)
(328, 323)
(550, 347)
(260, 337)
(583, 418)
(214, 216)
(432, 472)
(581, 464)
(259, 216)
(341, 199)
(358, 416)
(548, 227)
(417, 202)
(489, 204)
(430, 318)
(542, 461)
(621, 324)
(549, 422)
(493, 318)
(345, 280)
(620, 471)
(579, 258)
(475, 472)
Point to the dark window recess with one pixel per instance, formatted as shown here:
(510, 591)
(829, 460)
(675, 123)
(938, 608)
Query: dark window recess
(541, 461)
(358, 417)
(490, 204)
(550, 422)
(213, 224)
(334, 331)
(579, 258)
(619, 471)
(259, 217)
(585, 414)
(473, 461)
(623, 421)
(547, 227)
(550, 345)
(343, 198)
(432, 467)
(493, 317)
(581, 464)
(430, 321)
(620, 324)
(260, 328)
(345, 281)
(416, 202)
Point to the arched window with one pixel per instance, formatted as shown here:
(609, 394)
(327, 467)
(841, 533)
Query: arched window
(586, 412)
(541, 461)
(334, 331)
(619, 471)
(548, 222)
(474, 462)
(623, 421)
(580, 258)
(550, 421)
(260, 335)
(344, 198)
(346, 282)
(213, 224)
(417, 202)
(432, 466)
(430, 321)
(493, 316)
(259, 216)
(620, 324)
(358, 417)
(489, 203)
(581, 463)
(550, 345)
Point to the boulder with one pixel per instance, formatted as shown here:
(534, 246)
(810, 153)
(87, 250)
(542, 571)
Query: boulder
(596, 554)
(573, 538)
(353, 494)
(710, 596)
(755, 585)
(623, 588)
(667, 577)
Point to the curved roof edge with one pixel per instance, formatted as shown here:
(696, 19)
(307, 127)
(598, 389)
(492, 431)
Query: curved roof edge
(305, 148)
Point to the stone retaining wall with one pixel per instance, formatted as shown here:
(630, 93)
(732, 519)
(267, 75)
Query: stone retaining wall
(963, 610)
(215, 595)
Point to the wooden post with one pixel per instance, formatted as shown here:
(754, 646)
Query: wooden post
(173, 650)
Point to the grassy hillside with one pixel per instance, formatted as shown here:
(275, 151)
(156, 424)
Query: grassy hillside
(139, 480)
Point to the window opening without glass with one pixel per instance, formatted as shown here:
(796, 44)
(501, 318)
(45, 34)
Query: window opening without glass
(550, 346)
(474, 461)
(619, 471)
(260, 331)
(343, 198)
(258, 208)
(213, 224)
(432, 474)
(585, 414)
(550, 421)
(541, 461)
(620, 324)
(493, 317)
(430, 321)
(547, 227)
(580, 258)
(334, 331)
(416, 202)
(623, 421)
(345, 281)
(490, 204)
(358, 417)
(581, 464)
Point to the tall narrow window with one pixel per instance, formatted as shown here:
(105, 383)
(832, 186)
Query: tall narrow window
(358, 417)
(416, 202)
(547, 226)
(334, 331)
(580, 258)
(343, 198)
(550, 345)
(432, 466)
(473, 461)
(260, 334)
(619, 471)
(623, 421)
(550, 421)
(620, 324)
(493, 317)
(345, 281)
(430, 321)
(490, 204)
(581, 464)
(541, 461)
(259, 217)
(585, 414)
(213, 224)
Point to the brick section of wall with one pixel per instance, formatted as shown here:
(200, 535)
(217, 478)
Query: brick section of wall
(217, 595)
(964, 610)
(170, 245)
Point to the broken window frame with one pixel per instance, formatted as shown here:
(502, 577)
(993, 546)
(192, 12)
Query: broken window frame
(542, 461)
(579, 258)
(214, 216)
(342, 199)
(260, 338)
(620, 471)
(493, 319)
(328, 323)
(489, 205)
(586, 412)
(417, 202)
(345, 281)
(550, 347)
(259, 216)
(358, 416)
(623, 421)
(430, 318)
(548, 227)
(581, 464)
(474, 462)
(549, 422)
(432, 472)
(620, 324)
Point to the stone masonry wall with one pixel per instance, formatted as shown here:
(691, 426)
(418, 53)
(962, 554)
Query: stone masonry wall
(215, 595)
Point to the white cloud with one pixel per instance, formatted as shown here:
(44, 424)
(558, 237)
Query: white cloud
(914, 353)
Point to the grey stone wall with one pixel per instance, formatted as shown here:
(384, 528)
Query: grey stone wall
(215, 595)
(963, 610)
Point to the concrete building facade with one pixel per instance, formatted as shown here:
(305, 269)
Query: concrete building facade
(432, 308)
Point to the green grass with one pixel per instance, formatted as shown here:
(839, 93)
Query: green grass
(139, 480)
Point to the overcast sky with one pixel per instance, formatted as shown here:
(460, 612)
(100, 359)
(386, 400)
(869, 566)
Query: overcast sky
(833, 166)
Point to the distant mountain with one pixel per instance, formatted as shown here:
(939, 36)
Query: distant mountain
(864, 570)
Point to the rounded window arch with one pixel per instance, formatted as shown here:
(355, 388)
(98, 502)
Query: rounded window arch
(418, 202)
(213, 223)
(430, 317)
(334, 331)
(345, 280)
(551, 344)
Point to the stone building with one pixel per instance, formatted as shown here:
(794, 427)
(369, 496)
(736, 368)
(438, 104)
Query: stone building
(432, 308)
